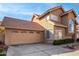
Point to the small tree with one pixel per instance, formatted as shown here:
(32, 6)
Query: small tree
(1, 29)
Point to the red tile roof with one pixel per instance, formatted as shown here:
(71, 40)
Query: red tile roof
(9, 22)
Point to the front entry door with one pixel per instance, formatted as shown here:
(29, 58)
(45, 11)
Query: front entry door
(58, 34)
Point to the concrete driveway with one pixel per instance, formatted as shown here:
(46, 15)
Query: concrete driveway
(36, 50)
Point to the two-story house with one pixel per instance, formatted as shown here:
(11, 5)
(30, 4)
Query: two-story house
(54, 24)
(58, 23)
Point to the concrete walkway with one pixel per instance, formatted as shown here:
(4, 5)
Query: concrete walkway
(36, 50)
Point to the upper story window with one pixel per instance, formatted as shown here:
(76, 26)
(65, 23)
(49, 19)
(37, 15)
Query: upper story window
(47, 17)
(54, 17)
(71, 26)
(51, 17)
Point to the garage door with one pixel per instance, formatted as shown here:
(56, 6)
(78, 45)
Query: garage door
(13, 38)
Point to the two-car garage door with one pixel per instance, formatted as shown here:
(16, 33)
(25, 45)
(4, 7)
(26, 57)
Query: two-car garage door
(22, 37)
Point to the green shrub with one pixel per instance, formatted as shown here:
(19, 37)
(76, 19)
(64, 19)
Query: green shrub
(63, 41)
(69, 40)
(1, 50)
(2, 54)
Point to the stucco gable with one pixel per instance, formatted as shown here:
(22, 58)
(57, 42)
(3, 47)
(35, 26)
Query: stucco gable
(35, 16)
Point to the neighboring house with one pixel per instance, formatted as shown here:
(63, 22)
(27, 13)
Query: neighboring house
(54, 24)
(0, 23)
(0, 32)
(59, 24)
(77, 30)
(20, 31)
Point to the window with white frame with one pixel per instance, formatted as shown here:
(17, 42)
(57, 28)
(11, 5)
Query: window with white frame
(48, 17)
(71, 26)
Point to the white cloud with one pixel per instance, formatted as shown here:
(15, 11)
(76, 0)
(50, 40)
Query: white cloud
(15, 10)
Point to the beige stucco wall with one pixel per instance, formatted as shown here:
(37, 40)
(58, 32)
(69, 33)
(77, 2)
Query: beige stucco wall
(12, 38)
(71, 15)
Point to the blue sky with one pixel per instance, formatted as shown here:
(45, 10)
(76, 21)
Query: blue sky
(26, 10)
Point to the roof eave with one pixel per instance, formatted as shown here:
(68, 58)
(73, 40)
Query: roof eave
(61, 25)
(48, 11)
(68, 12)
(25, 29)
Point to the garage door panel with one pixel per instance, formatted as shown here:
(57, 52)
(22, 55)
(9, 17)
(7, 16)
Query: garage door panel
(21, 38)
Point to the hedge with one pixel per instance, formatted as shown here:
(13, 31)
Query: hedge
(1, 50)
(62, 41)
(2, 54)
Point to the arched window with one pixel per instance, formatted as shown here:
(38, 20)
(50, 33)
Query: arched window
(71, 26)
